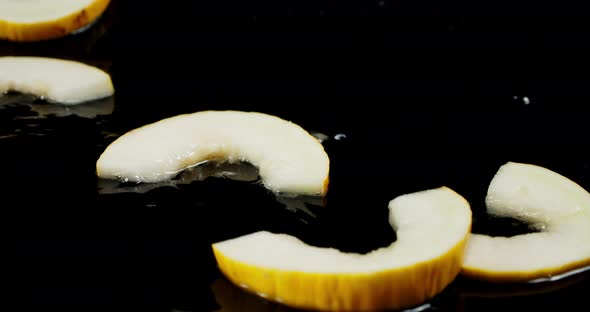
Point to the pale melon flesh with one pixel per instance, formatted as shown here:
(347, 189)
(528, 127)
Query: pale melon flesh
(431, 226)
(289, 159)
(555, 205)
(61, 81)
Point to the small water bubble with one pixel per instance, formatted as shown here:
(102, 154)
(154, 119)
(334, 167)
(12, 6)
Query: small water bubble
(108, 135)
(340, 137)
(524, 100)
(539, 226)
(381, 3)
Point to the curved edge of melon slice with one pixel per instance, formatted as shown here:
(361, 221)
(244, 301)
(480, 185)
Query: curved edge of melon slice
(60, 81)
(365, 292)
(535, 195)
(290, 160)
(405, 286)
(474, 271)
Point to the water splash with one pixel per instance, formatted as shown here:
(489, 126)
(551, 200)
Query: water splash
(42, 109)
(199, 172)
(302, 206)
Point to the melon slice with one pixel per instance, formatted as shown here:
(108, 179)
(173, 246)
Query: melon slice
(432, 228)
(289, 159)
(557, 206)
(60, 81)
(34, 20)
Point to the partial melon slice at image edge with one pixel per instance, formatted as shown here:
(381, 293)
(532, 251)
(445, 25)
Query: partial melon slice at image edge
(56, 80)
(431, 227)
(559, 207)
(289, 159)
(34, 20)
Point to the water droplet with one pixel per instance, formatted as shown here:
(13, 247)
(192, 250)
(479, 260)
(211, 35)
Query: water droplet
(420, 308)
(526, 100)
(299, 204)
(381, 3)
(340, 137)
(320, 136)
(539, 226)
(44, 109)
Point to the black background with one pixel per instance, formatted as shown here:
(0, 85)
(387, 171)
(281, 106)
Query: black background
(428, 93)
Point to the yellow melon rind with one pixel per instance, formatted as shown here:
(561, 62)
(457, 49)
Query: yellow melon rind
(398, 288)
(54, 28)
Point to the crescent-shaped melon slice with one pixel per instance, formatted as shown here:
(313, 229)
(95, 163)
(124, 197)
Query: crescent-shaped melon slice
(289, 159)
(34, 20)
(60, 81)
(431, 226)
(558, 207)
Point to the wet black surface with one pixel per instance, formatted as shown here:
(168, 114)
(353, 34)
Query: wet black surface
(427, 94)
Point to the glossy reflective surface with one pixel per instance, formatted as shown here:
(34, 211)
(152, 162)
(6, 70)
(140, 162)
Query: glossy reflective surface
(414, 97)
